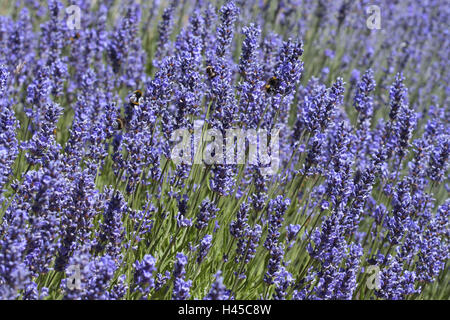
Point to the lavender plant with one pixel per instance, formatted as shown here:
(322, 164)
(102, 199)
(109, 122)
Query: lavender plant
(94, 203)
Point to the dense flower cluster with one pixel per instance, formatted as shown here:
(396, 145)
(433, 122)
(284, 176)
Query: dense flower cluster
(93, 204)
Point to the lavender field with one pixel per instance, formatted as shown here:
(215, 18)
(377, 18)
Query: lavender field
(194, 149)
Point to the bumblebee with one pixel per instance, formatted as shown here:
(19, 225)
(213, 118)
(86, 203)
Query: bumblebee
(77, 36)
(272, 85)
(210, 72)
(118, 124)
(136, 98)
(404, 45)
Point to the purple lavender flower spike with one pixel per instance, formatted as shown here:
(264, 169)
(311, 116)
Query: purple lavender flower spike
(218, 290)
(181, 287)
(205, 245)
(143, 275)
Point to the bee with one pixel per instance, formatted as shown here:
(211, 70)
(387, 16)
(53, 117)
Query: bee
(77, 36)
(118, 124)
(272, 85)
(404, 45)
(210, 71)
(136, 98)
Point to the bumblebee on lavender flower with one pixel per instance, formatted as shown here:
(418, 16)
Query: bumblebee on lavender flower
(118, 124)
(210, 72)
(75, 37)
(272, 85)
(137, 98)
